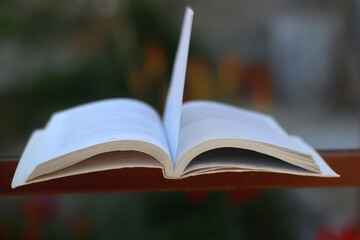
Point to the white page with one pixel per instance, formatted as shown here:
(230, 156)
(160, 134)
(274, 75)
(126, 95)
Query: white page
(234, 160)
(27, 164)
(174, 98)
(203, 121)
(324, 168)
(240, 160)
(100, 122)
(103, 162)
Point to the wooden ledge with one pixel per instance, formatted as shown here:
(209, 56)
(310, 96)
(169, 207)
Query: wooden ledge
(344, 162)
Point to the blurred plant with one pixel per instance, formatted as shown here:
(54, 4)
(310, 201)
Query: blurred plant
(229, 79)
(81, 227)
(209, 215)
(200, 80)
(148, 83)
(38, 214)
(348, 232)
(258, 86)
(237, 84)
(112, 50)
(197, 197)
(238, 197)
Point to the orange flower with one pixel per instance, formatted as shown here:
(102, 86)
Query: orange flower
(229, 75)
(258, 84)
(199, 82)
(154, 60)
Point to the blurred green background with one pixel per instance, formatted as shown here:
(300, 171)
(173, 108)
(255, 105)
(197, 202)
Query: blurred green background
(297, 60)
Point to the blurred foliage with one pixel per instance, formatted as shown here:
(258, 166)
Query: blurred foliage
(69, 53)
(116, 49)
(52, 89)
(215, 215)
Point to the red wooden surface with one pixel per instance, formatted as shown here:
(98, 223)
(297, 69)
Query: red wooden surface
(345, 163)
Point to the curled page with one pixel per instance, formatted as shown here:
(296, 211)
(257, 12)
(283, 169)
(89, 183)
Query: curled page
(174, 98)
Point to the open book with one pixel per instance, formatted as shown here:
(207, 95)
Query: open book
(198, 137)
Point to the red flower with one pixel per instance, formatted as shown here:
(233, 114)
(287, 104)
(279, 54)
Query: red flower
(197, 197)
(349, 232)
(242, 196)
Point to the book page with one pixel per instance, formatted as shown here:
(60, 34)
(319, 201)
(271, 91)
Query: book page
(324, 168)
(242, 160)
(174, 98)
(102, 122)
(103, 162)
(209, 125)
(204, 120)
(27, 164)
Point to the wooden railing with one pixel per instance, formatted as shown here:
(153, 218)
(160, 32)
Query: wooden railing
(344, 162)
